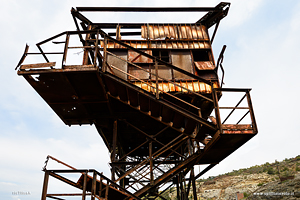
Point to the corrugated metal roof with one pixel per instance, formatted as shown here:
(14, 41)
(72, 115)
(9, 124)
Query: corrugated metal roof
(168, 37)
(174, 32)
(195, 86)
(204, 65)
(160, 44)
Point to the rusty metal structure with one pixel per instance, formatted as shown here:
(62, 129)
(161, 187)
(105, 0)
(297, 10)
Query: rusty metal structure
(152, 91)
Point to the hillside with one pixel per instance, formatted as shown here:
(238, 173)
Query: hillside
(278, 180)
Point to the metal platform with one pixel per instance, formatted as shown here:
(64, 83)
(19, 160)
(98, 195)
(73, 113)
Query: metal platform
(154, 102)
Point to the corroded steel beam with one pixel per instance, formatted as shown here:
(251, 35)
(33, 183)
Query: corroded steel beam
(145, 9)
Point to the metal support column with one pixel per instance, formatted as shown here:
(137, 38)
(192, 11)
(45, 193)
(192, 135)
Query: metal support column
(94, 185)
(194, 184)
(151, 163)
(84, 186)
(217, 109)
(45, 185)
(113, 154)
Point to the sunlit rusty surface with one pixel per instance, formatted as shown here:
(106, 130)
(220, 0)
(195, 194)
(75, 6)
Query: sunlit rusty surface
(237, 129)
(182, 86)
(174, 32)
(135, 57)
(204, 65)
(160, 44)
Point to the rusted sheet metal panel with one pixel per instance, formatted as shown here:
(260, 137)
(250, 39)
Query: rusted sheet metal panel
(174, 32)
(135, 57)
(183, 60)
(161, 44)
(120, 64)
(195, 86)
(237, 129)
(163, 72)
(237, 126)
(38, 65)
(77, 66)
(204, 65)
(140, 74)
(65, 70)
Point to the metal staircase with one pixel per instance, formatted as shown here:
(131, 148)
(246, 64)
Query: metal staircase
(156, 128)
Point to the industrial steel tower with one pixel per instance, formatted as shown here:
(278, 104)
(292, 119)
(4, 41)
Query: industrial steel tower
(152, 91)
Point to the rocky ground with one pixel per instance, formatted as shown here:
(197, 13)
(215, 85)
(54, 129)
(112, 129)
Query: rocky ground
(253, 186)
(289, 189)
(255, 183)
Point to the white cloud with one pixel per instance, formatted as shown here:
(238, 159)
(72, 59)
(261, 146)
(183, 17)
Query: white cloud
(240, 11)
(265, 59)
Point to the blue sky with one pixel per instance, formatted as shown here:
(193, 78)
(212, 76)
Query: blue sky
(263, 46)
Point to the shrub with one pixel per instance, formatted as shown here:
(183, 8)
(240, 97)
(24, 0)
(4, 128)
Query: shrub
(265, 169)
(271, 171)
(285, 169)
(260, 184)
(246, 194)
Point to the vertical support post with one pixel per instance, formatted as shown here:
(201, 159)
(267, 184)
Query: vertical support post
(65, 50)
(189, 143)
(94, 185)
(190, 146)
(84, 185)
(45, 185)
(251, 111)
(189, 184)
(113, 156)
(106, 191)
(100, 187)
(96, 50)
(185, 194)
(177, 187)
(182, 190)
(156, 79)
(217, 109)
(194, 184)
(151, 163)
(86, 51)
(104, 55)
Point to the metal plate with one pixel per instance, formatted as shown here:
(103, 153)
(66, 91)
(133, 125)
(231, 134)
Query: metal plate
(120, 64)
(183, 60)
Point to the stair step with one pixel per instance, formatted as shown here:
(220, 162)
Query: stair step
(178, 120)
(144, 103)
(167, 114)
(122, 92)
(190, 126)
(111, 86)
(154, 108)
(133, 97)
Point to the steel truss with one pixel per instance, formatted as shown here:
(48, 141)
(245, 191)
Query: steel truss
(169, 132)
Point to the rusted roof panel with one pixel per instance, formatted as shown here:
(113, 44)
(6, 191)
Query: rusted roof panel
(176, 32)
(204, 65)
(161, 44)
(135, 57)
(195, 86)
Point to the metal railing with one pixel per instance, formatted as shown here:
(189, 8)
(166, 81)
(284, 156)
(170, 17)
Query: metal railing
(97, 57)
(99, 61)
(246, 97)
(98, 188)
